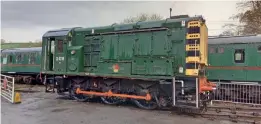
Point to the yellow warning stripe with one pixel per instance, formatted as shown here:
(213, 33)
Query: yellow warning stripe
(194, 24)
(192, 72)
(193, 36)
(196, 47)
(204, 44)
(191, 47)
(192, 59)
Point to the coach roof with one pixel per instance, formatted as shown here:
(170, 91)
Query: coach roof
(234, 39)
(32, 49)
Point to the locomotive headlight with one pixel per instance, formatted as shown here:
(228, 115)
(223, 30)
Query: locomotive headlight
(73, 52)
(180, 69)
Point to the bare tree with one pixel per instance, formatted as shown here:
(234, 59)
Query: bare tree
(38, 41)
(2, 41)
(232, 29)
(142, 17)
(249, 17)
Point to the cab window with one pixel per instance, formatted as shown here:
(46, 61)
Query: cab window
(60, 46)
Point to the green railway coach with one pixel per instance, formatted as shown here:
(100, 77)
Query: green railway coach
(235, 58)
(22, 63)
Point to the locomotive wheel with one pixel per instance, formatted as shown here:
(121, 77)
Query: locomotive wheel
(81, 98)
(148, 105)
(49, 87)
(78, 97)
(111, 100)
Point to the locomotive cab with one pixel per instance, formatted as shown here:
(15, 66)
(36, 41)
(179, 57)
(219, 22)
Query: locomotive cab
(55, 44)
(54, 56)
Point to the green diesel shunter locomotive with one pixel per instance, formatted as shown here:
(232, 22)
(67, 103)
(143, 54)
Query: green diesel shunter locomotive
(22, 63)
(154, 64)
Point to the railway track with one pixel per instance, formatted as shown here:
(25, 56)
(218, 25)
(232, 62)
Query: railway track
(234, 114)
(237, 113)
(26, 88)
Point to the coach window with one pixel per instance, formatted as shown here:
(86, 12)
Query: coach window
(259, 49)
(220, 50)
(4, 59)
(10, 58)
(22, 56)
(32, 58)
(216, 50)
(239, 56)
(211, 50)
(18, 58)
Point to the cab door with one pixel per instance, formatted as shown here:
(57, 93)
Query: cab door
(60, 56)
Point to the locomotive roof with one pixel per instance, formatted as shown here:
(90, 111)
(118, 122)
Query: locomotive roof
(142, 24)
(58, 32)
(31, 49)
(235, 39)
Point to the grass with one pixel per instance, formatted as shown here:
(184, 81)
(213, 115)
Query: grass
(19, 45)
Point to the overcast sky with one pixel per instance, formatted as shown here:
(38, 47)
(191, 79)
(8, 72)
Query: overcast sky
(28, 21)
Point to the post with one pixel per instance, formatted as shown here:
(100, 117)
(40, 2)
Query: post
(13, 87)
(173, 91)
(197, 93)
(170, 9)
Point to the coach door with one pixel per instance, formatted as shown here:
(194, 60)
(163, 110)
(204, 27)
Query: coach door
(60, 56)
(239, 61)
(253, 68)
